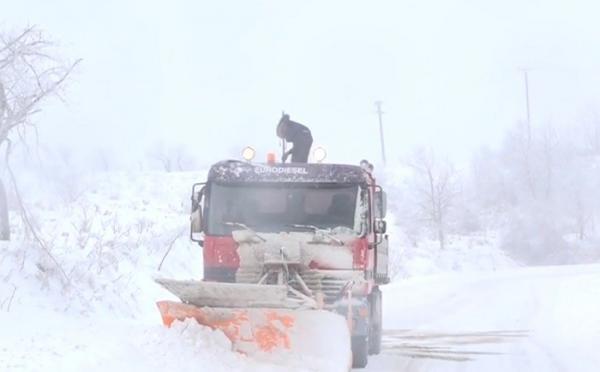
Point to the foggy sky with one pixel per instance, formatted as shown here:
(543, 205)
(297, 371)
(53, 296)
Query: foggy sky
(216, 75)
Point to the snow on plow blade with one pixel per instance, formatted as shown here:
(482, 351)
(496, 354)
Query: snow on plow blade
(215, 294)
(314, 338)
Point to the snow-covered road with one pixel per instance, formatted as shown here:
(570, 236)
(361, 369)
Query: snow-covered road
(526, 319)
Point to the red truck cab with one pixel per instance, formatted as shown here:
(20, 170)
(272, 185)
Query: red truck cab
(327, 220)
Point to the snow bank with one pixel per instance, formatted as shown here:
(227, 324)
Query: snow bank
(57, 343)
(105, 246)
(462, 253)
(320, 342)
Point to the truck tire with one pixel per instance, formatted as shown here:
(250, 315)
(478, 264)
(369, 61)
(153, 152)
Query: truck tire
(375, 331)
(360, 351)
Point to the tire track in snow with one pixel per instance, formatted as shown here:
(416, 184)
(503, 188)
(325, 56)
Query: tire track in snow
(454, 347)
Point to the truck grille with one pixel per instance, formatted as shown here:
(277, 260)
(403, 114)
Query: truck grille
(319, 281)
(330, 283)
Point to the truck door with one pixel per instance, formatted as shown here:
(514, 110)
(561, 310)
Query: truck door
(381, 237)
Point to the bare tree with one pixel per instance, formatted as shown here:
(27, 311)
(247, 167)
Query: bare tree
(30, 73)
(161, 154)
(172, 157)
(434, 182)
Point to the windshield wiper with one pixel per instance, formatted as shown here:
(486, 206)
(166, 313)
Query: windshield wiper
(317, 230)
(239, 224)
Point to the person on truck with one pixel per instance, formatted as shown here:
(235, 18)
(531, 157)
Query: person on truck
(297, 134)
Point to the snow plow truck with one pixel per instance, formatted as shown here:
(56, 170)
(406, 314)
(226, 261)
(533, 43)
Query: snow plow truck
(286, 246)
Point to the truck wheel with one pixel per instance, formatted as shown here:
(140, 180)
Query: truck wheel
(360, 351)
(375, 331)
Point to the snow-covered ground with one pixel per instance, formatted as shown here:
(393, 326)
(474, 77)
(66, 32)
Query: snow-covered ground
(468, 253)
(468, 307)
(522, 319)
(47, 341)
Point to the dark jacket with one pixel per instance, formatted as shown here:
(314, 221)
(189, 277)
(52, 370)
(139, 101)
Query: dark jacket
(292, 131)
(297, 134)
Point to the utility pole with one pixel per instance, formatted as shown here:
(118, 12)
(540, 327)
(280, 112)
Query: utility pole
(526, 78)
(527, 157)
(380, 115)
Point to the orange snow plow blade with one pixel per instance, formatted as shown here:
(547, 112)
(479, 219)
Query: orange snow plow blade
(311, 339)
(263, 322)
(249, 330)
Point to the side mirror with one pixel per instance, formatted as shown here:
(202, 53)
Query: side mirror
(380, 203)
(197, 196)
(196, 220)
(196, 225)
(380, 227)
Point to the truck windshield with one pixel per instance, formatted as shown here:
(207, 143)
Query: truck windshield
(277, 207)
